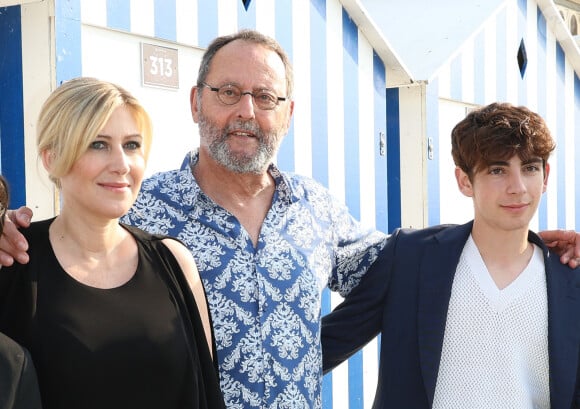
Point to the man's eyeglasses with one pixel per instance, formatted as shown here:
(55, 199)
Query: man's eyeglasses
(230, 94)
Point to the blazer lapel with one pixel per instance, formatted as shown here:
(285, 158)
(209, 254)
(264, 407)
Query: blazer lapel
(436, 279)
(564, 330)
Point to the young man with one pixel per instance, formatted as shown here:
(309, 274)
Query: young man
(481, 315)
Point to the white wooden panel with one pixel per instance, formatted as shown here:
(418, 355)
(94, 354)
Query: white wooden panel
(455, 207)
(186, 24)
(366, 132)
(94, 12)
(228, 16)
(38, 79)
(335, 100)
(143, 17)
(302, 79)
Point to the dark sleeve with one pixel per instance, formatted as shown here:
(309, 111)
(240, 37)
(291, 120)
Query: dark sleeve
(17, 302)
(206, 379)
(18, 383)
(576, 402)
(358, 319)
(28, 395)
(18, 284)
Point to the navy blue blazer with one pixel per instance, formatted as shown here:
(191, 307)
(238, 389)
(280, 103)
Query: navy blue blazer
(405, 296)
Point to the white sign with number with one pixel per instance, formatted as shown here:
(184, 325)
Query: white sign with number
(159, 66)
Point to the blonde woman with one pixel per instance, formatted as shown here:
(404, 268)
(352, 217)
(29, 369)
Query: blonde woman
(113, 317)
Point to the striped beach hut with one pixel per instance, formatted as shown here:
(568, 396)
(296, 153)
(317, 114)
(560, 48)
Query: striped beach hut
(379, 85)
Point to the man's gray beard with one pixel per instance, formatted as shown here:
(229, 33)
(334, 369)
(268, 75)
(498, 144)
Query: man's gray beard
(236, 162)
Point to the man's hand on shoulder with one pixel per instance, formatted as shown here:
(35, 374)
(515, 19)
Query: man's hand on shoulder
(565, 243)
(13, 245)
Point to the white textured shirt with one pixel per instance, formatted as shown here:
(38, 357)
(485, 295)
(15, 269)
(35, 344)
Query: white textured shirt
(495, 347)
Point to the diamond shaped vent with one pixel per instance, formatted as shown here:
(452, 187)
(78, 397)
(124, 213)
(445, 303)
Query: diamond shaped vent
(522, 58)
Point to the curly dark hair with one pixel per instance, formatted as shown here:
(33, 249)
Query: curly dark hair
(499, 131)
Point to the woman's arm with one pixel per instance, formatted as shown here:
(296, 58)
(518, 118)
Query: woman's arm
(187, 264)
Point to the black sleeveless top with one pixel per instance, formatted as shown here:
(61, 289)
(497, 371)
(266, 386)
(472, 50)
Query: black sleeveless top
(140, 345)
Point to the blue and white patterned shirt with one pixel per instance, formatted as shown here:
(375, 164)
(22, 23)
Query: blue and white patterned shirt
(265, 301)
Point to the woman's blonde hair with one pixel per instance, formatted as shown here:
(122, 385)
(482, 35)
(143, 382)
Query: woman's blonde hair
(75, 113)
